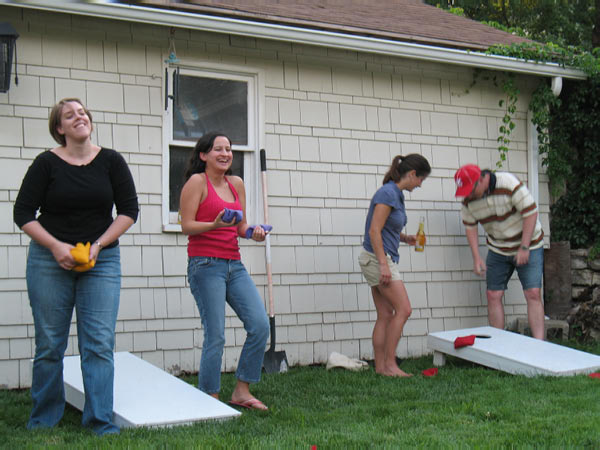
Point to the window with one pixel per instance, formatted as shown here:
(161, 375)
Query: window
(204, 100)
(178, 157)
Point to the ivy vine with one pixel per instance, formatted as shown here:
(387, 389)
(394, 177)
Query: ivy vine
(506, 81)
(511, 91)
(543, 102)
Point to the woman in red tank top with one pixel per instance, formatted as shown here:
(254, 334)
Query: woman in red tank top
(215, 271)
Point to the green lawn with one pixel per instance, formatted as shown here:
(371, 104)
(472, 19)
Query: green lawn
(464, 405)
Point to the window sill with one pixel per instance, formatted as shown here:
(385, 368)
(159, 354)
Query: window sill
(171, 228)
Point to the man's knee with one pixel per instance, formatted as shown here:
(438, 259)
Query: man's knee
(495, 296)
(533, 295)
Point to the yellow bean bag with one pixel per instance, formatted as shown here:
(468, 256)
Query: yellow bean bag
(81, 254)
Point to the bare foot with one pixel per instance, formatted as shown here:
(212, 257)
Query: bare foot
(393, 372)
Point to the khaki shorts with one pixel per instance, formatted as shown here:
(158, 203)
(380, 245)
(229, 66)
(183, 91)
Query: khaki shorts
(370, 268)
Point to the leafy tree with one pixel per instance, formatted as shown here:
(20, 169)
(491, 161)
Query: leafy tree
(562, 22)
(575, 129)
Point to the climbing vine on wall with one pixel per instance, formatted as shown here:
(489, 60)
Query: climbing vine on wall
(506, 81)
(511, 91)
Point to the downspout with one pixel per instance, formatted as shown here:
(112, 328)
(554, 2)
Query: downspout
(533, 162)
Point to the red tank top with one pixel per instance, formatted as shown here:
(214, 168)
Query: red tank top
(219, 243)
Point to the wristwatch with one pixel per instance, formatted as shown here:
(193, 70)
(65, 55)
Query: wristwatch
(524, 247)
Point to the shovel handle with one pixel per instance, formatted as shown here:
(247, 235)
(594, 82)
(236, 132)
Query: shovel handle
(273, 338)
(263, 171)
(263, 160)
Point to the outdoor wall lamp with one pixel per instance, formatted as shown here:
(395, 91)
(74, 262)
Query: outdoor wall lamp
(8, 37)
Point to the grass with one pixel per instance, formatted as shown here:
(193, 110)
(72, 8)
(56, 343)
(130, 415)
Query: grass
(465, 405)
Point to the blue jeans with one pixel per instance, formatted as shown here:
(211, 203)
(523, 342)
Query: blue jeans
(53, 293)
(500, 268)
(213, 282)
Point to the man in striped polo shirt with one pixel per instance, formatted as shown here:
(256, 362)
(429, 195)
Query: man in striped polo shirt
(507, 212)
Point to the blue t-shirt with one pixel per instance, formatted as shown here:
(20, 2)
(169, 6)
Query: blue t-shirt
(388, 194)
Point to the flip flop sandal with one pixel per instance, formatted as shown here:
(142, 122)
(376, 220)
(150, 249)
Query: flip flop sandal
(251, 403)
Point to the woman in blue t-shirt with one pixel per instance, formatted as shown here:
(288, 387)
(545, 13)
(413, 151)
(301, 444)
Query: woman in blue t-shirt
(379, 258)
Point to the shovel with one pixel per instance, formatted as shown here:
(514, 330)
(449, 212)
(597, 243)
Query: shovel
(274, 362)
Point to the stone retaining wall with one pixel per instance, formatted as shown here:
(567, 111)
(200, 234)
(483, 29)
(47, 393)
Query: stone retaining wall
(572, 286)
(584, 313)
(585, 275)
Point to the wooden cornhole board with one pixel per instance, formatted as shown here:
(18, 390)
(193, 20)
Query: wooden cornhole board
(512, 353)
(145, 395)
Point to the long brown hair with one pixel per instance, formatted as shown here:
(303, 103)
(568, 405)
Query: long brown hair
(401, 165)
(204, 145)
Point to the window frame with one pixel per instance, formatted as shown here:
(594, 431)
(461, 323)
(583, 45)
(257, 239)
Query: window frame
(255, 79)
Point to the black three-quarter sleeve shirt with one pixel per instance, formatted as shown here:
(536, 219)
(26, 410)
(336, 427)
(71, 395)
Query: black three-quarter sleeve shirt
(75, 203)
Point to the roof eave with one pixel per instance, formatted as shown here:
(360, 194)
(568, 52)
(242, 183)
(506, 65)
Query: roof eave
(218, 24)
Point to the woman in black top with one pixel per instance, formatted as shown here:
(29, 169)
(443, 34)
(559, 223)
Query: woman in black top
(73, 187)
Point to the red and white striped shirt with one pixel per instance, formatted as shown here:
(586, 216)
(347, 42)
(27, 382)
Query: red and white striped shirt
(501, 213)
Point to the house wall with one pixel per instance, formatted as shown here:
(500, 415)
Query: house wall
(333, 122)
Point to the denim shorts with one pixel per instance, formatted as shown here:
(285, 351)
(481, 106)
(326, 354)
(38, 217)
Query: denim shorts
(500, 268)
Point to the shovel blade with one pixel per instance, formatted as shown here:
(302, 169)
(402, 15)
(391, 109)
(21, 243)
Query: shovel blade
(275, 362)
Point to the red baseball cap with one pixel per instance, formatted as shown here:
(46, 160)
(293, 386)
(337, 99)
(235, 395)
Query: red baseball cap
(465, 179)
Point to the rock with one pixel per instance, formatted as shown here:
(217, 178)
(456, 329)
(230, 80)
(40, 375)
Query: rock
(572, 315)
(594, 334)
(586, 319)
(577, 291)
(595, 264)
(578, 262)
(580, 252)
(581, 277)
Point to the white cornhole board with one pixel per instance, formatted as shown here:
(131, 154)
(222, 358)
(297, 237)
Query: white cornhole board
(512, 353)
(145, 395)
